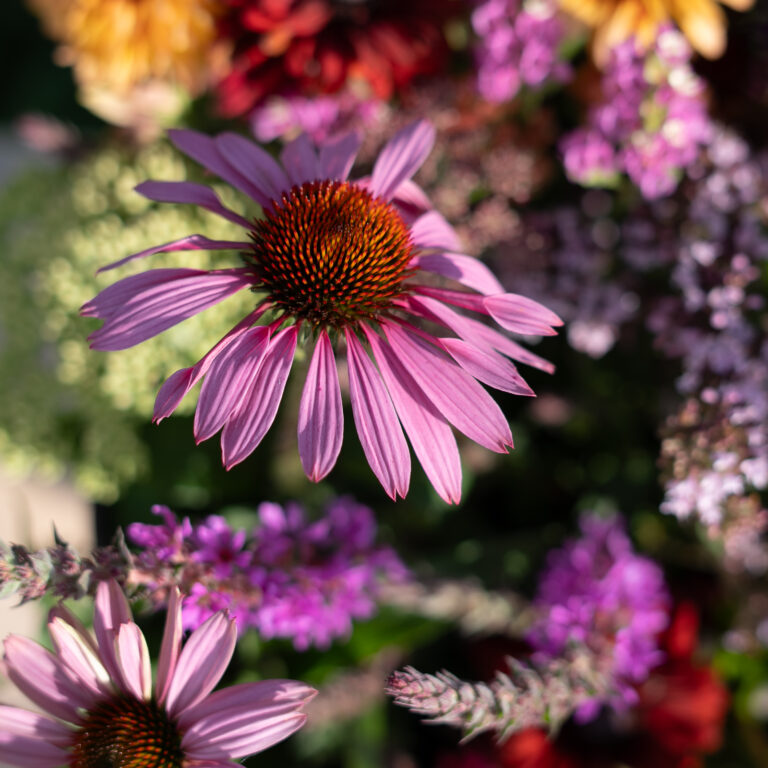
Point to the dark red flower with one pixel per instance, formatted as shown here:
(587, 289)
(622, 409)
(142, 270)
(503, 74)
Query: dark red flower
(318, 46)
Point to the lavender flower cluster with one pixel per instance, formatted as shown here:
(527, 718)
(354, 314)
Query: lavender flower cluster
(289, 577)
(650, 123)
(518, 45)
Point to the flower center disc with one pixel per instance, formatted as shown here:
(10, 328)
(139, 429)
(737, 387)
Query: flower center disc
(331, 253)
(126, 733)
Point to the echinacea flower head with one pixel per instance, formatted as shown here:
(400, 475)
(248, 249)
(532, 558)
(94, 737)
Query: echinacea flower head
(337, 264)
(99, 707)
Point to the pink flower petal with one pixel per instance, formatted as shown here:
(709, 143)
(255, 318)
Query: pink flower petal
(521, 314)
(60, 611)
(411, 201)
(171, 645)
(20, 722)
(431, 230)
(201, 664)
(377, 425)
(28, 743)
(321, 417)
(228, 378)
(251, 421)
(402, 156)
(337, 155)
(300, 161)
(429, 433)
(110, 613)
(254, 163)
(487, 366)
(43, 679)
(80, 657)
(189, 192)
(455, 394)
(188, 243)
(203, 149)
(139, 307)
(466, 270)
(133, 660)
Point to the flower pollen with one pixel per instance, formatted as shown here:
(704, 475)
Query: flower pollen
(127, 733)
(331, 253)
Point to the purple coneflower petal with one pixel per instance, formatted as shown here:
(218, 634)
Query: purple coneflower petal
(228, 378)
(188, 243)
(377, 424)
(300, 161)
(141, 306)
(338, 155)
(171, 645)
(248, 425)
(429, 433)
(455, 394)
(432, 231)
(508, 347)
(110, 613)
(321, 417)
(521, 314)
(401, 158)
(187, 192)
(201, 664)
(466, 270)
(204, 150)
(133, 660)
(60, 611)
(487, 366)
(79, 657)
(43, 679)
(411, 201)
(254, 163)
(20, 722)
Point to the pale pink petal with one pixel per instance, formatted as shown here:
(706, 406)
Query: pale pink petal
(337, 156)
(142, 306)
(455, 394)
(321, 416)
(111, 611)
(431, 230)
(377, 425)
(466, 270)
(79, 656)
(521, 314)
(178, 384)
(20, 722)
(248, 425)
(202, 662)
(429, 433)
(487, 366)
(243, 737)
(228, 378)
(188, 243)
(402, 156)
(60, 611)
(189, 192)
(203, 149)
(254, 163)
(133, 661)
(43, 679)
(300, 161)
(171, 645)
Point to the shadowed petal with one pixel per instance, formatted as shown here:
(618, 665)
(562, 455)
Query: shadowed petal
(455, 394)
(111, 612)
(429, 433)
(20, 722)
(189, 192)
(321, 417)
(521, 314)
(133, 659)
(79, 656)
(338, 155)
(466, 270)
(401, 158)
(229, 376)
(251, 421)
(300, 161)
(377, 425)
(171, 645)
(139, 307)
(432, 231)
(201, 664)
(29, 751)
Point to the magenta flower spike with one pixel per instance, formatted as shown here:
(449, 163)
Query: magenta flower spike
(354, 266)
(99, 706)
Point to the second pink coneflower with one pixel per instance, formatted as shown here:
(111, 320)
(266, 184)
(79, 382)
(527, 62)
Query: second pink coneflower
(340, 264)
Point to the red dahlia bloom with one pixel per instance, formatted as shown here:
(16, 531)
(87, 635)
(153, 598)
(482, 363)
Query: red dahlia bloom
(319, 46)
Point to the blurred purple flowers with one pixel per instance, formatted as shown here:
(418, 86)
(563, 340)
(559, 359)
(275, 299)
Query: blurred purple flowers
(597, 592)
(287, 578)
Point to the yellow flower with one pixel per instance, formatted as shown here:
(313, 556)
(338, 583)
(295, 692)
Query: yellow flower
(701, 21)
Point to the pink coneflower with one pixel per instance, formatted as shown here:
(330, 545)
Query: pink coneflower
(344, 263)
(101, 709)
